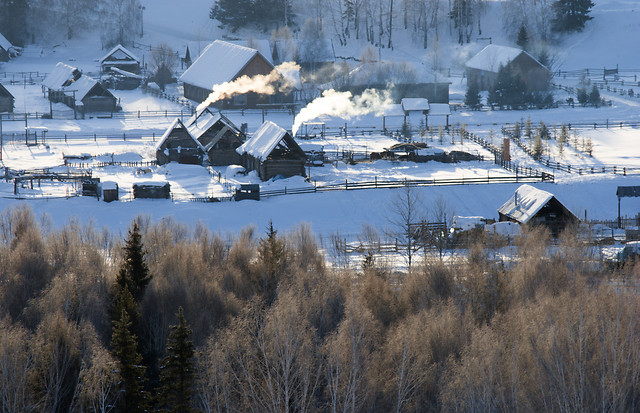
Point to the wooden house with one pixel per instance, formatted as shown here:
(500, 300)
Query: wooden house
(222, 62)
(152, 190)
(121, 58)
(271, 151)
(6, 100)
(206, 138)
(532, 206)
(7, 50)
(68, 85)
(482, 69)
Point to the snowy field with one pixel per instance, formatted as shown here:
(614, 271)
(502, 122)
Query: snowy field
(612, 33)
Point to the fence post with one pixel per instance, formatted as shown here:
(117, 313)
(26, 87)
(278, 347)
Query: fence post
(346, 184)
(124, 136)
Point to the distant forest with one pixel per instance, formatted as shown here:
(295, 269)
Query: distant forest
(179, 319)
(120, 21)
(45, 21)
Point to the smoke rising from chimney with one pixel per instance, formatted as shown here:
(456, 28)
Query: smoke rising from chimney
(283, 78)
(343, 105)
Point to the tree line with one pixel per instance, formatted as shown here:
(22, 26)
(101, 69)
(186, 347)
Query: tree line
(24, 22)
(179, 319)
(378, 20)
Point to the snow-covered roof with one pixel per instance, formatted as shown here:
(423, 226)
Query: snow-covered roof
(126, 74)
(109, 186)
(412, 104)
(261, 45)
(4, 91)
(493, 56)
(201, 121)
(439, 109)
(4, 43)
(393, 109)
(219, 62)
(525, 203)
(177, 123)
(61, 74)
(119, 54)
(69, 79)
(263, 141)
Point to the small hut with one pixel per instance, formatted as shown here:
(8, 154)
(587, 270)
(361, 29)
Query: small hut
(152, 190)
(272, 151)
(7, 50)
(121, 58)
(109, 191)
(205, 138)
(533, 206)
(6, 100)
(68, 85)
(482, 69)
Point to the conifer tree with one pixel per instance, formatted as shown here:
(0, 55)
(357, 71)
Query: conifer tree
(134, 273)
(124, 346)
(523, 38)
(177, 376)
(472, 97)
(271, 252)
(594, 96)
(571, 15)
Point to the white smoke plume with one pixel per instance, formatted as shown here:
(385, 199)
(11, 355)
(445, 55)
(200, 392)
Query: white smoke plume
(283, 78)
(343, 105)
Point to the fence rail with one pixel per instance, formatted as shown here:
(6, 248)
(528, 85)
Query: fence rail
(348, 186)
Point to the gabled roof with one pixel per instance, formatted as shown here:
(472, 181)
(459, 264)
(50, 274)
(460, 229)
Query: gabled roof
(219, 62)
(177, 124)
(261, 45)
(493, 56)
(4, 43)
(4, 91)
(202, 121)
(70, 79)
(439, 109)
(265, 139)
(415, 104)
(119, 54)
(525, 203)
(61, 76)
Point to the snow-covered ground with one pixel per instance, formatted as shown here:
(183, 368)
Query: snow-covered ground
(609, 39)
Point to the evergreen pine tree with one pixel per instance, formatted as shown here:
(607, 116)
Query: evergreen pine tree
(571, 15)
(134, 273)
(124, 346)
(583, 96)
(537, 147)
(234, 14)
(523, 38)
(176, 375)
(594, 96)
(472, 97)
(271, 252)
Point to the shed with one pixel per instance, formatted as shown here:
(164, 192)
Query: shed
(110, 191)
(482, 69)
(205, 138)
(6, 100)
(7, 50)
(122, 58)
(222, 62)
(248, 191)
(68, 85)
(626, 192)
(441, 111)
(152, 190)
(272, 151)
(530, 205)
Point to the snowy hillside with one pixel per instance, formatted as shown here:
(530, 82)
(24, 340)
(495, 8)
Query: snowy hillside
(608, 40)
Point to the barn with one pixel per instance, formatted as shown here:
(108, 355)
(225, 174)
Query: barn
(482, 69)
(222, 62)
(206, 138)
(121, 58)
(533, 206)
(272, 151)
(6, 100)
(68, 85)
